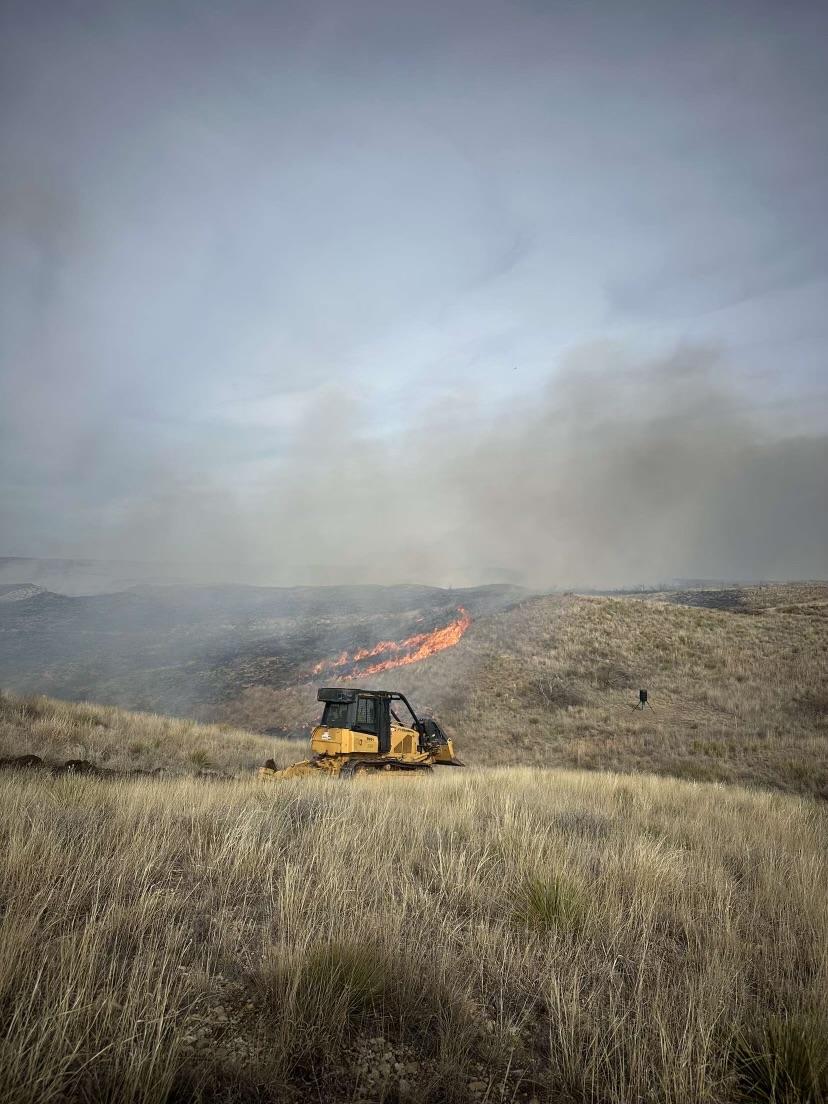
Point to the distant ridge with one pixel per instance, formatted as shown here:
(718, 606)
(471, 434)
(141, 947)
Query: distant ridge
(19, 592)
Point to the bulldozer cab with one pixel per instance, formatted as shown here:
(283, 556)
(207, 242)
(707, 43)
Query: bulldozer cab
(371, 712)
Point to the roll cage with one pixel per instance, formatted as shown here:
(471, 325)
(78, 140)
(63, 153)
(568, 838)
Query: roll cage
(366, 711)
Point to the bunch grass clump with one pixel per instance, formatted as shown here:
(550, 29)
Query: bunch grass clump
(784, 1061)
(551, 903)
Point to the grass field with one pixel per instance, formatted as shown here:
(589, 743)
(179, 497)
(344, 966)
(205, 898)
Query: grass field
(505, 933)
(488, 935)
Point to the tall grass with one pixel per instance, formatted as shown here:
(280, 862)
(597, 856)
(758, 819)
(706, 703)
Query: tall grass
(114, 739)
(483, 935)
(554, 682)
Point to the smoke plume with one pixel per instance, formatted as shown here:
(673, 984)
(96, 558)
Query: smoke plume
(616, 474)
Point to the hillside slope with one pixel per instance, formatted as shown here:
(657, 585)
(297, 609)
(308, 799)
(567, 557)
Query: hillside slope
(733, 697)
(116, 740)
(554, 681)
(188, 650)
(737, 678)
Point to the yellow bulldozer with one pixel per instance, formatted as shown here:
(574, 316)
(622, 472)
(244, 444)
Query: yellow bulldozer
(368, 731)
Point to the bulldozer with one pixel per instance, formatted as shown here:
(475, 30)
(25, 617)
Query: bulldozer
(366, 732)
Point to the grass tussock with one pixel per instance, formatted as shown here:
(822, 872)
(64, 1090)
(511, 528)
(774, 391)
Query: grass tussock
(483, 935)
(551, 903)
(785, 1061)
(320, 997)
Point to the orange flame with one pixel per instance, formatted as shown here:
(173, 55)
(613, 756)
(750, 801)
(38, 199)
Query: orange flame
(340, 662)
(411, 650)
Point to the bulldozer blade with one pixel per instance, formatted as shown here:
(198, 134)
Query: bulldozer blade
(306, 769)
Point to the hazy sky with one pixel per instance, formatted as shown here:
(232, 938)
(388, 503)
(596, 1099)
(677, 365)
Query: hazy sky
(256, 256)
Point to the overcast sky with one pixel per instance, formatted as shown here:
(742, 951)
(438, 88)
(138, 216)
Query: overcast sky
(253, 248)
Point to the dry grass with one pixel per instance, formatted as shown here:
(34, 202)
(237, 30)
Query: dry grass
(735, 697)
(509, 933)
(114, 739)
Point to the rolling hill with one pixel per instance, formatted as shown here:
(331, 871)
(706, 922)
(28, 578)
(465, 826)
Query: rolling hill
(736, 694)
(193, 650)
(736, 677)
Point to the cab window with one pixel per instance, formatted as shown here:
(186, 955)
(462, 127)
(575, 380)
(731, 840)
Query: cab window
(335, 715)
(366, 715)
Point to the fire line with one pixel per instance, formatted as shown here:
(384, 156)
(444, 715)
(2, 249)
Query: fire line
(399, 653)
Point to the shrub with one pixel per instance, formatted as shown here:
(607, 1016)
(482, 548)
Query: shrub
(199, 758)
(612, 676)
(552, 693)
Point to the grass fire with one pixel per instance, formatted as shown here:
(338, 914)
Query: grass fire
(393, 653)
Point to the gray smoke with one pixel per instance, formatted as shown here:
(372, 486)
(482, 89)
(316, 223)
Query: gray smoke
(616, 474)
(290, 292)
